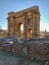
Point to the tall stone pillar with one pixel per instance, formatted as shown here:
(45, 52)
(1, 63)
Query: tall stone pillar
(11, 20)
(16, 26)
(11, 26)
(36, 25)
(8, 27)
(33, 26)
(25, 25)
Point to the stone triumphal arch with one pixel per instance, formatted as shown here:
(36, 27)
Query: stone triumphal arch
(25, 23)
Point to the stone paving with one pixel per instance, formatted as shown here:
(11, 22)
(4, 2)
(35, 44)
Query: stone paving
(7, 58)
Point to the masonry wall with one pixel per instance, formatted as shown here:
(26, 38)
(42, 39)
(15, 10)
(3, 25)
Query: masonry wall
(40, 51)
(36, 49)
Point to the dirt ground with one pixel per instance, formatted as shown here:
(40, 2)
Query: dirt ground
(7, 58)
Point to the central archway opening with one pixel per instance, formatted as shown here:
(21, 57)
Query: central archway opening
(21, 29)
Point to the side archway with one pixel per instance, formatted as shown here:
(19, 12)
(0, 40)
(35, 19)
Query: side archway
(29, 35)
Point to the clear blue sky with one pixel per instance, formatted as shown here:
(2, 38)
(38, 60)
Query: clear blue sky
(16, 5)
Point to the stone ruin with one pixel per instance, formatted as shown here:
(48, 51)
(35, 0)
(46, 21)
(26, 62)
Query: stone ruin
(37, 48)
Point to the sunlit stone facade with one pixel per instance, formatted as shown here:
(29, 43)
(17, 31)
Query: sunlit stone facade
(25, 23)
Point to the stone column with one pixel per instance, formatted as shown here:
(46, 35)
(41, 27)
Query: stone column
(11, 26)
(16, 26)
(25, 25)
(10, 18)
(36, 25)
(33, 26)
(8, 27)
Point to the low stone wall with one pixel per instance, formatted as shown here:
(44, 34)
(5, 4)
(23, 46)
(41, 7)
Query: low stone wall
(6, 47)
(18, 48)
(40, 51)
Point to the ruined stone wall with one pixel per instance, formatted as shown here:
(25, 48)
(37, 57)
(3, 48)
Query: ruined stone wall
(39, 51)
(35, 49)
